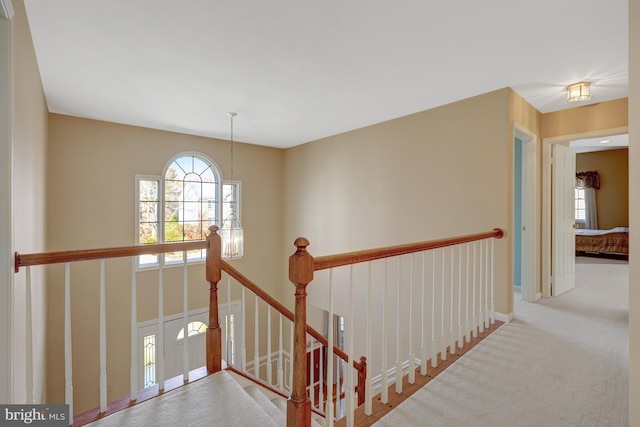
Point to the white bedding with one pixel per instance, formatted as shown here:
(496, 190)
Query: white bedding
(587, 232)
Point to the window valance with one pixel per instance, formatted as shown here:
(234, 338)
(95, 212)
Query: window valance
(588, 179)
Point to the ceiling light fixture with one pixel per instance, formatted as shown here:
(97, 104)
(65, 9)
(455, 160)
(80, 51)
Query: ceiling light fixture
(231, 232)
(579, 92)
(605, 141)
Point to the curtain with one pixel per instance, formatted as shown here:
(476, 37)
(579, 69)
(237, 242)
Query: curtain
(590, 182)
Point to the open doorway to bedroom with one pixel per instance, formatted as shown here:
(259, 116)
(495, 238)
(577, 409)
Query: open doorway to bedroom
(599, 202)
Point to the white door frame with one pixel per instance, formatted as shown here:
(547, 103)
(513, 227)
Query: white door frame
(530, 209)
(547, 247)
(6, 208)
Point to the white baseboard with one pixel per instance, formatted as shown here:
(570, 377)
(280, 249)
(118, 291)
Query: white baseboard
(506, 318)
(538, 296)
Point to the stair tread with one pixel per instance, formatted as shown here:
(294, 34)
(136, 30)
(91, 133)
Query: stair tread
(269, 407)
(217, 400)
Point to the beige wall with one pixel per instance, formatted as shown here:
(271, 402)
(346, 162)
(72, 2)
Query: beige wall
(590, 118)
(613, 196)
(634, 212)
(91, 172)
(438, 173)
(29, 197)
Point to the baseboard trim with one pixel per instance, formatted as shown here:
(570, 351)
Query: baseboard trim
(506, 318)
(538, 296)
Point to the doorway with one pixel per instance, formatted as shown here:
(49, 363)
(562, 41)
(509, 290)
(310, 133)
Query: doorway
(524, 215)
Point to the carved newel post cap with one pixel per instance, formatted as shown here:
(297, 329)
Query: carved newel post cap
(499, 233)
(213, 229)
(301, 243)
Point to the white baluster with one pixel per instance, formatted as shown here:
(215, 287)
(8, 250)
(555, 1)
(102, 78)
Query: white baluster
(103, 341)
(68, 355)
(452, 335)
(29, 337)
(311, 370)
(291, 355)
(185, 319)
(256, 341)
(460, 334)
(269, 367)
(384, 393)
(434, 346)
(467, 325)
(348, 370)
(412, 356)
(244, 330)
(486, 283)
(330, 359)
(423, 322)
(321, 388)
(493, 309)
(443, 341)
(160, 345)
(368, 402)
(480, 292)
(398, 335)
(473, 313)
(133, 380)
(280, 348)
(227, 324)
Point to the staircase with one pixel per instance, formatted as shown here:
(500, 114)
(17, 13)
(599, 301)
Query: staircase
(222, 399)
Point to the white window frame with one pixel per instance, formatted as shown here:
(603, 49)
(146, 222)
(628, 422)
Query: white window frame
(580, 220)
(160, 179)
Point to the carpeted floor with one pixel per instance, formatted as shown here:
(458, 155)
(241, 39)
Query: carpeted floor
(562, 362)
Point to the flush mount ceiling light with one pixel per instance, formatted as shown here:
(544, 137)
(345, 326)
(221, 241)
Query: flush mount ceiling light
(605, 141)
(579, 92)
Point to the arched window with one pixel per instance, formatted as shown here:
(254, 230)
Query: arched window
(193, 328)
(181, 205)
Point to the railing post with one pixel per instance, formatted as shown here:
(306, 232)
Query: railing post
(301, 274)
(214, 274)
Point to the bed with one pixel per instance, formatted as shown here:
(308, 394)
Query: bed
(603, 242)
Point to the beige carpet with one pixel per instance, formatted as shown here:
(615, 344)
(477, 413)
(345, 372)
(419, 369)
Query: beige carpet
(562, 362)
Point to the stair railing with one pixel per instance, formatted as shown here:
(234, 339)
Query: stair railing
(426, 299)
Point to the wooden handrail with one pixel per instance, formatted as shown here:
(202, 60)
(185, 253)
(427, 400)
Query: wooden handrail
(24, 260)
(247, 283)
(333, 261)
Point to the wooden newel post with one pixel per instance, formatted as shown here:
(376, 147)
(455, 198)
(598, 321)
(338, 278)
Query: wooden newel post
(214, 274)
(362, 380)
(301, 274)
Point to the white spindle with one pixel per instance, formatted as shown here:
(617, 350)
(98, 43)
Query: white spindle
(443, 341)
(29, 337)
(330, 359)
(423, 320)
(280, 348)
(68, 366)
(452, 335)
(185, 319)
(243, 309)
(467, 324)
(480, 293)
(486, 283)
(493, 309)
(160, 343)
(350, 393)
(133, 380)
(384, 392)
(368, 402)
(103, 341)
(412, 356)
(291, 324)
(227, 326)
(311, 370)
(269, 368)
(256, 340)
(434, 347)
(460, 333)
(321, 393)
(398, 334)
(473, 313)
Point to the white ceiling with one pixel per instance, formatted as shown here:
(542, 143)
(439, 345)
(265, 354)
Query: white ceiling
(613, 142)
(296, 71)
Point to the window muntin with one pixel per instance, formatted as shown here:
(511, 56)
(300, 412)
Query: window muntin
(181, 205)
(580, 205)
